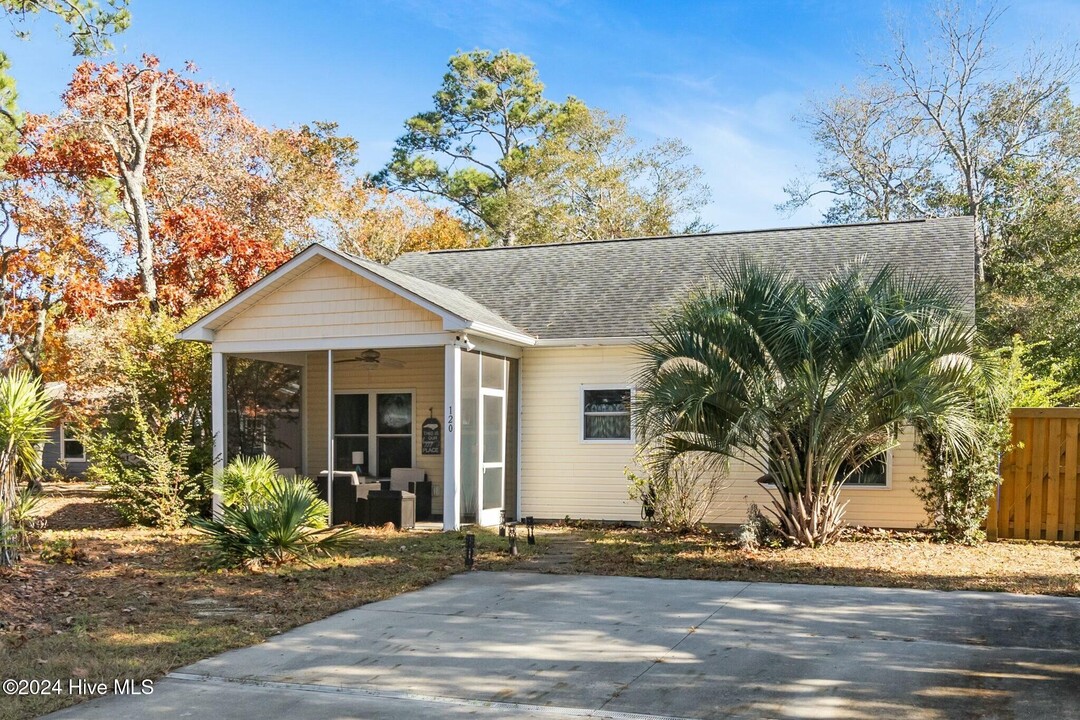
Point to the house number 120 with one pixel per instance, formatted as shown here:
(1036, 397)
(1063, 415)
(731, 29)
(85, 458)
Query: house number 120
(450, 420)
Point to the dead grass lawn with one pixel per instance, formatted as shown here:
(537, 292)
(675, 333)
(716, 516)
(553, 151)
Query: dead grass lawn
(142, 602)
(878, 558)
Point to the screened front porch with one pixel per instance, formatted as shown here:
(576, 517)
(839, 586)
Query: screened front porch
(375, 411)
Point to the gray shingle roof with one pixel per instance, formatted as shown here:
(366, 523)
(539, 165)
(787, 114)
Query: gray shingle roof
(445, 297)
(616, 288)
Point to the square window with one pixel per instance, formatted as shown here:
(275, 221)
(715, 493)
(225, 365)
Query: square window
(606, 414)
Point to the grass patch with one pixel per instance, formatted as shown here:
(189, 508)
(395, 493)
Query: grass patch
(141, 602)
(863, 558)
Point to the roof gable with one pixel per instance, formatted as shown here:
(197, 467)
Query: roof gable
(454, 309)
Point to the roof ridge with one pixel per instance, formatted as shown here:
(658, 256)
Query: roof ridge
(722, 233)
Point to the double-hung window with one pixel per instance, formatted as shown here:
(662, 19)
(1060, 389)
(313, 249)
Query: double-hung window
(71, 448)
(605, 414)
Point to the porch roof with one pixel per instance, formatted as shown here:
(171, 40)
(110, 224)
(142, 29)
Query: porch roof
(457, 310)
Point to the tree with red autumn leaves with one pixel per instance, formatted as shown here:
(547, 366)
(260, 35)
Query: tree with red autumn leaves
(172, 167)
(51, 273)
(153, 186)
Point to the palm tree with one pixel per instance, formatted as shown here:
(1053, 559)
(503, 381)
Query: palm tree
(25, 416)
(806, 382)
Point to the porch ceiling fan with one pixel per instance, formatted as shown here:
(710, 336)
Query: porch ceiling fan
(372, 358)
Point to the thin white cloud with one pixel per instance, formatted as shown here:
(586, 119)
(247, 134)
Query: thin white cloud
(748, 154)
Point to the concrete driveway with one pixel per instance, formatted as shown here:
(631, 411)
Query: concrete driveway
(547, 646)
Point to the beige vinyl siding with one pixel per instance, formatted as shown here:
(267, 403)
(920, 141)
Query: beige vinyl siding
(895, 506)
(421, 375)
(564, 476)
(560, 474)
(329, 301)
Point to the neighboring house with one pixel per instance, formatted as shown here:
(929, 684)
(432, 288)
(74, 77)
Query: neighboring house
(519, 360)
(63, 453)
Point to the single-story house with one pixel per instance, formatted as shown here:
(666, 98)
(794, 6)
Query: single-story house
(505, 373)
(63, 453)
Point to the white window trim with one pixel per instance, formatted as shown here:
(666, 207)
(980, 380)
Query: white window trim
(64, 457)
(371, 456)
(888, 477)
(581, 415)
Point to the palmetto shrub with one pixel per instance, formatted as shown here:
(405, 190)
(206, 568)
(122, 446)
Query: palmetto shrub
(283, 521)
(245, 479)
(807, 382)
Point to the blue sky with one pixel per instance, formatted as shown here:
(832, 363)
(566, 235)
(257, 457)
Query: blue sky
(726, 77)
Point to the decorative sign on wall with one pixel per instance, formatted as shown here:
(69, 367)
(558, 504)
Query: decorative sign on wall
(431, 437)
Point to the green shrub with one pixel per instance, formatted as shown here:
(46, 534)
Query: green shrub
(245, 479)
(285, 521)
(146, 463)
(958, 485)
(148, 395)
(61, 551)
(758, 531)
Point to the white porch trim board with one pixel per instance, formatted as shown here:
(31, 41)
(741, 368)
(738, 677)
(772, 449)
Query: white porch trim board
(218, 413)
(330, 436)
(452, 445)
(349, 342)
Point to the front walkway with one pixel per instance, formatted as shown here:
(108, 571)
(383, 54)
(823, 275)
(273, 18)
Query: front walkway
(546, 646)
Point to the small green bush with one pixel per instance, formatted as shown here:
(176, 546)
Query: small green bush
(61, 551)
(148, 393)
(245, 479)
(146, 464)
(758, 531)
(957, 488)
(285, 521)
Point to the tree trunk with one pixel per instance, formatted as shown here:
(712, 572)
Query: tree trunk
(9, 548)
(136, 187)
(809, 518)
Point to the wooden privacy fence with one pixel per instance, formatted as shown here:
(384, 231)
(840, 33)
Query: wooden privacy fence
(1038, 498)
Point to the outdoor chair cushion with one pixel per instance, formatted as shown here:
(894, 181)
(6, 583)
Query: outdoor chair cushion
(363, 489)
(400, 478)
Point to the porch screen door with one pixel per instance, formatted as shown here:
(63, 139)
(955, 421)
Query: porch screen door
(483, 437)
(493, 371)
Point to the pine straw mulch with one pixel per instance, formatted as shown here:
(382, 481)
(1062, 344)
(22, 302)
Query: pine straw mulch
(863, 558)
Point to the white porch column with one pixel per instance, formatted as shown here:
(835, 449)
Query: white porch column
(218, 413)
(330, 434)
(452, 443)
